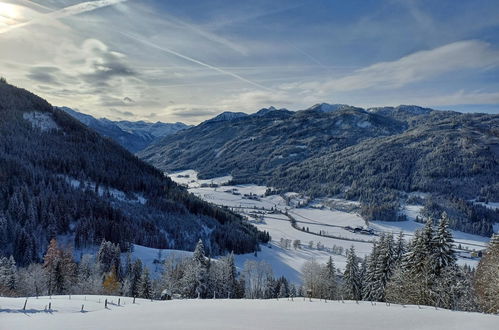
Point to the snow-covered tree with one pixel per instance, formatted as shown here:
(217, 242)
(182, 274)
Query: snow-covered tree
(89, 279)
(443, 254)
(7, 276)
(311, 277)
(329, 286)
(109, 255)
(351, 277)
(31, 281)
(195, 280)
(370, 274)
(256, 276)
(385, 265)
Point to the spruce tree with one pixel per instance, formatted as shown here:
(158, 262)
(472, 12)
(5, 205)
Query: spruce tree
(385, 265)
(329, 280)
(351, 277)
(443, 253)
(370, 274)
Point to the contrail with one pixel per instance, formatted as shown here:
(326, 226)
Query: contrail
(64, 12)
(206, 34)
(193, 60)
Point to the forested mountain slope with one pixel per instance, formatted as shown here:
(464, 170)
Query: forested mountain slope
(57, 177)
(132, 135)
(375, 156)
(251, 148)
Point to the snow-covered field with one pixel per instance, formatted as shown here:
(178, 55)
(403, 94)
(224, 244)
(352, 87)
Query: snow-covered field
(228, 314)
(249, 200)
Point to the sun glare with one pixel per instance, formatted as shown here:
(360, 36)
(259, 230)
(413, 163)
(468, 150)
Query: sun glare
(8, 13)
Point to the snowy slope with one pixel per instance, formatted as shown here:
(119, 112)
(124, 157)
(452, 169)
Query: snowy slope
(228, 315)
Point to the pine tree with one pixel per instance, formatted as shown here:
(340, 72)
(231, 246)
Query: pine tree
(351, 277)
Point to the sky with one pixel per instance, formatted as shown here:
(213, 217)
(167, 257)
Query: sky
(188, 60)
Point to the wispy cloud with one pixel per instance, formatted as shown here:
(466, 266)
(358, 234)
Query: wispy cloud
(471, 54)
(64, 12)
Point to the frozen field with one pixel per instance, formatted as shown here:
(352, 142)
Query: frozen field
(228, 315)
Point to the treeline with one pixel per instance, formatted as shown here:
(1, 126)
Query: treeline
(60, 181)
(422, 272)
(108, 273)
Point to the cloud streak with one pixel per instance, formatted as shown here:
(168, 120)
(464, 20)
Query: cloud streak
(193, 60)
(422, 65)
(65, 12)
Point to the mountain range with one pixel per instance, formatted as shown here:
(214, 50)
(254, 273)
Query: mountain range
(378, 156)
(132, 135)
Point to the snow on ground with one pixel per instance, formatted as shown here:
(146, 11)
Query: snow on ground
(228, 315)
(115, 193)
(325, 215)
(190, 179)
(41, 120)
(489, 205)
(148, 256)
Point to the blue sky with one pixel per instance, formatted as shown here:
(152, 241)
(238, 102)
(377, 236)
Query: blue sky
(189, 60)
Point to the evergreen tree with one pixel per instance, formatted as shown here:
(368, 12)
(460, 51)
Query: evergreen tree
(109, 256)
(370, 274)
(443, 254)
(385, 265)
(145, 285)
(196, 273)
(135, 278)
(7, 276)
(400, 248)
(351, 277)
(328, 278)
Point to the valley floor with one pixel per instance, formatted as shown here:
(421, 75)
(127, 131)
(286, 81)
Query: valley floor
(327, 216)
(228, 314)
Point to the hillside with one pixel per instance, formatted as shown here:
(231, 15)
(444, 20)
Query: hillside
(132, 135)
(252, 147)
(375, 156)
(59, 178)
(230, 314)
